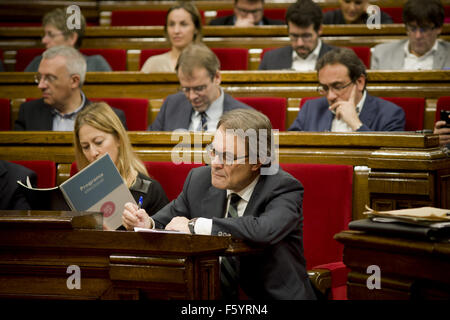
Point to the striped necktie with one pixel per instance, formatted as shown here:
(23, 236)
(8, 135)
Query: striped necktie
(229, 272)
(204, 122)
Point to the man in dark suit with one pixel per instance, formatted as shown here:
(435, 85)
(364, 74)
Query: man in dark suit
(11, 198)
(238, 195)
(247, 13)
(60, 77)
(346, 105)
(304, 21)
(201, 101)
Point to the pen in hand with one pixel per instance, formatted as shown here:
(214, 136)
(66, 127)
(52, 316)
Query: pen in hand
(141, 200)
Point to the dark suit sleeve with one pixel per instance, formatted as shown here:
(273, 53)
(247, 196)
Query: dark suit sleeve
(298, 124)
(280, 216)
(155, 199)
(394, 120)
(20, 123)
(158, 123)
(122, 117)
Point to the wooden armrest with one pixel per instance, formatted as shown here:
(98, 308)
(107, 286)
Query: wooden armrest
(321, 280)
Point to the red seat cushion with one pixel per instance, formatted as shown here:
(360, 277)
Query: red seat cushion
(24, 57)
(364, 54)
(5, 114)
(45, 170)
(116, 58)
(396, 13)
(274, 108)
(138, 18)
(271, 13)
(414, 111)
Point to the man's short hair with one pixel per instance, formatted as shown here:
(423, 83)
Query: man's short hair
(304, 13)
(424, 12)
(245, 122)
(75, 62)
(58, 18)
(198, 56)
(346, 57)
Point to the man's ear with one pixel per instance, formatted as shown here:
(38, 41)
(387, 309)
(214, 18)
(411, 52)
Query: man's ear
(319, 32)
(72, 38)
(361, 82)
(75, 81)
(217, 78)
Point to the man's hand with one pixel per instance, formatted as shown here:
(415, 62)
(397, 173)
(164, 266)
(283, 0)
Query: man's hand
(178, 224)
(443, 132)
(346, 110)
(132, 217)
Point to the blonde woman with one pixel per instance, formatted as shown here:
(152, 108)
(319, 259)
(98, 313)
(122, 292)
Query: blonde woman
(183, 27)
(97, 131)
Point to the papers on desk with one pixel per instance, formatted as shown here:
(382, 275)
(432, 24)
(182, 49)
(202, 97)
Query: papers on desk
(418, 215)
(157, 231)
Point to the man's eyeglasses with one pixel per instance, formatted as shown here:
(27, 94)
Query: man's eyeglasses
(413, 29)
(337, 88)
(197, 89)
(224, 157)
(304, 36)
(253, 12)
(48, 78)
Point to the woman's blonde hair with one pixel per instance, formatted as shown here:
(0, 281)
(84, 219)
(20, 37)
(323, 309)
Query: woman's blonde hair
(99, 115)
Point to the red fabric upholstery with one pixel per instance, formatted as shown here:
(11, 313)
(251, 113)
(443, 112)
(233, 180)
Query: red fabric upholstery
(443, 103)
(327, 210)
(271, 13)
(138, 18)
(135, 109)
(147, 53)
(5, 115)
(24, 57)
(230, 58)
(274, 108)
(414, 111)
(117, 58)
(364, 54)
(45, 170)
(170, 175)
(395, 13)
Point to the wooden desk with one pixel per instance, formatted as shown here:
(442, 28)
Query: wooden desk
(36, 248)
(410, 269)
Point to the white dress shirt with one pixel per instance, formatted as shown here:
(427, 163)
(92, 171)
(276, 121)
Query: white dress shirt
(66, 122)
(308, 64)
(213, 114)
(425, 62)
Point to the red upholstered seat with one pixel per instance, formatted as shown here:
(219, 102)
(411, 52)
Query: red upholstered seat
(414, 111)
(230, 58)
(272, 107)
(364, 54)
(5, 114)
(271, 13)
(327, 210)
(117, 58)
(443, 103)
(395, 13)
(24, 57)
(45, 170)
(141, 17)
(135, 109)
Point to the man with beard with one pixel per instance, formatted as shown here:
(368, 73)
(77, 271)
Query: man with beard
(346, 106)
(201, 101)
(304, 21)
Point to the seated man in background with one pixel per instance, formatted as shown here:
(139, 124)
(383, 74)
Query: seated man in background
(352, 12)
(236, 195)
(11, 198)
(61, 75)
(247, 13)
(346, 105)
(304, 24)
(57, 33)
(443, 131)
(422, 50)
(201, 101)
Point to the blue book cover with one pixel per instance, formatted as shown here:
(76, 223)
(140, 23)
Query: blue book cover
(99, 187)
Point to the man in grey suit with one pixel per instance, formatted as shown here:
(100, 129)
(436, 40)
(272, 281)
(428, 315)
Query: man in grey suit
(60, 77)
(346, 105)
(237, 196)
(304, 21)
(422, 50)
(201, 101)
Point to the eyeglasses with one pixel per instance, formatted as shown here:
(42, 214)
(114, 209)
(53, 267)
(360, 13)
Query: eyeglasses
(51, 34)
(197, 89)
(253, 12)
(413, 29)
(48, 78)
(304, 36)
(337, 88)
(224, 157)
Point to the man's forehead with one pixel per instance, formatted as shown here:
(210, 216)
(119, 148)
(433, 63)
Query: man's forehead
(333, 71)
(53, 64)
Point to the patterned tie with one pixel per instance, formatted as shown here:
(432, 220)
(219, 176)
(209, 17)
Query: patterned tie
(229, 274)
(204, 122)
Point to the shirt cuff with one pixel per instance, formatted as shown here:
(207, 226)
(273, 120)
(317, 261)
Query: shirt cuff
(203, 226)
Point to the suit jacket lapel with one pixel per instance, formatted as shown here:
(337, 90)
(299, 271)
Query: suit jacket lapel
(214, 203)
(367, 113)
(439, 58)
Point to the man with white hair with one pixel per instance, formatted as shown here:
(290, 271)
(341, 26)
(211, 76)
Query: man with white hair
(60, 77)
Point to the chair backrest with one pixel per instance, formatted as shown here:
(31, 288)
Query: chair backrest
(271, 13)
(327, 208)
(395, 13)
(5, 114)
(443, 103)
(303, 101)
(135, 109)
(138, 17)
(414, 111)
(116, 58)
(272, 107)
(364, 54)
(170, 175)
(45, 171)
(230, 58)
(24, 57)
